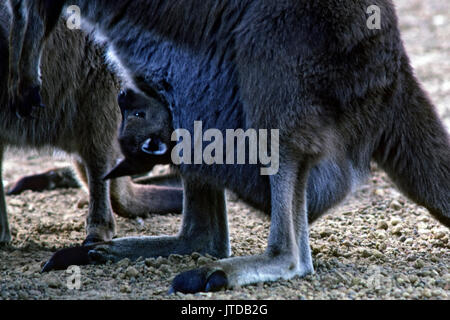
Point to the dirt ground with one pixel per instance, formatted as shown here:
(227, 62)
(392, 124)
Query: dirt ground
(377, 245)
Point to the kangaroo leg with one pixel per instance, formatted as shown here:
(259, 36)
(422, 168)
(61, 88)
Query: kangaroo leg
(168, 180)
(5, 235)
(132, 200)
(288, 253)
(204, 229)
(57, 178)
(100, 223)
(31, 23)
(330, 181)
(29, 84)
(16, 40)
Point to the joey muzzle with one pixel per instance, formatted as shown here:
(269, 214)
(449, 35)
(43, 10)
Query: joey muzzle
(152, 150)
(126, 167)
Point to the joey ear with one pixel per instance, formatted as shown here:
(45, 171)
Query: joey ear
(123, 169)
(154, 147)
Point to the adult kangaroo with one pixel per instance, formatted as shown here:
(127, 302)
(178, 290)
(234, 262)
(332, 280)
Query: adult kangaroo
(339, 93)
(82, 118)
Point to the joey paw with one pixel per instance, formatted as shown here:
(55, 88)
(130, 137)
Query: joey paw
(62, 259)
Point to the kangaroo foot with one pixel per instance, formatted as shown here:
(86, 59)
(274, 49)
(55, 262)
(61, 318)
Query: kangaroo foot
(58, 178)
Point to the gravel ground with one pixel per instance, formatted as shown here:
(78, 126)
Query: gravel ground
(377, 245)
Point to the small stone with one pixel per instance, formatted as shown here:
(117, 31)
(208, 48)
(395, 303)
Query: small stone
(150, 262)
(395, 221)
(210, 257)
(82, 203)
(99, 272)
(438, 234)
(347, 243)
(436, 293)
(435, 259)
(203, 261)
(366, 253)
(164, 268)
(382, 225)
(131, 272)
(380, 234)
(325, 233)
(382, 246)
(413, 278)
(125, 289)
(15, 203)
(423, 231)
(377, 254)
(175, 258)
(124, 263)
(23, 295)
(427, 293)
(160, 261)
(397, 230)
(409, 241)
(395, 205)
(140, 222)
(397, 293)
(401, 279)
(53, 282)
(419, 264)
(195, 255)
(34, 294)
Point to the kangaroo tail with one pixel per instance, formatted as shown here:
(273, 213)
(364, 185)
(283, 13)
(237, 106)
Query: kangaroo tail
(415, 148)
(131, 200)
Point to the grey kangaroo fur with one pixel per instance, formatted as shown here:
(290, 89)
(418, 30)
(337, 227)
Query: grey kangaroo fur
(340, 93)
(82, 118)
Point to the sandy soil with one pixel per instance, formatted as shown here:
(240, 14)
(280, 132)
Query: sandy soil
(377, 245)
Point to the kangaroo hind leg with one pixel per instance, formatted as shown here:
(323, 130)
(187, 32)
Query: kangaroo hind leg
(288, 252)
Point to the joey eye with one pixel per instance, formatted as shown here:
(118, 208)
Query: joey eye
(139, 114)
